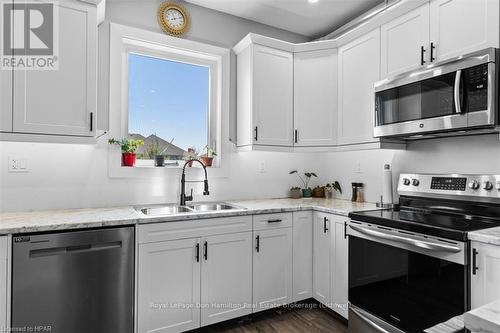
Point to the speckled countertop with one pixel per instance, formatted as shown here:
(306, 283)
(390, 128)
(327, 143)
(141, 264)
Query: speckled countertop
(485, 319)
(488, 236)
(51, 220)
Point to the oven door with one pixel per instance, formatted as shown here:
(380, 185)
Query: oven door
(401, 282)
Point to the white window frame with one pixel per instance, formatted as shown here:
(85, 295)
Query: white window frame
(125, 40)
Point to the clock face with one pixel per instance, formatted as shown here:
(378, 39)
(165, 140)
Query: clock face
(173, 18)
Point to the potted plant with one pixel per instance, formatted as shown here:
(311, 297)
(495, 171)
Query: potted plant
(128, 147)
(157, 152)
(306, 190)
(192, 154)
(208, 158)
(318, 192)
(295, 193)
(331, 188)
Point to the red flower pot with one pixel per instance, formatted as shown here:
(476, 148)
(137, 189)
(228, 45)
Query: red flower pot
(128, 159)
(207, 161)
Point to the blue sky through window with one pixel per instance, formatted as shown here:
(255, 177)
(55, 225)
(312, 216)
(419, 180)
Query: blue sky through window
(169, 99)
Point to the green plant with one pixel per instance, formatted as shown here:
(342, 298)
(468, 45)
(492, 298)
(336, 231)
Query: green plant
(306, 179)
(210, 151)
(295, 188)
(335, 186)
(156, 149)
(126, 145)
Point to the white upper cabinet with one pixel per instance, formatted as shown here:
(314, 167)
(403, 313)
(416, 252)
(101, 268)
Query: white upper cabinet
(359, 69)
(265, 97)
(404, 42)
(62, 101)
(5, 101)
(458, 27)
(272, 268)
(485, 275)
(315, 98)
(226, 277)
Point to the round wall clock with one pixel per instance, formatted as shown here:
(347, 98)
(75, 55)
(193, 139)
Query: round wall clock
(173, 18)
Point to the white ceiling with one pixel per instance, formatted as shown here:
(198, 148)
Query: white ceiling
(299, 16)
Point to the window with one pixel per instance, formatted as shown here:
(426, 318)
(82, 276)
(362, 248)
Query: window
(164, 88)
(168, 106)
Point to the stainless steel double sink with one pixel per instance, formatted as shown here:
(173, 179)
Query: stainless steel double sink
(173, 209)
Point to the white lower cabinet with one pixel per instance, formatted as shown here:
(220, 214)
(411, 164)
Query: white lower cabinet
(272, 268)
(201, 279)
(321, 257)
(302, 255)
(226, 277)
(485, 276)
(330, 262)
(168, 286)
(340, 267)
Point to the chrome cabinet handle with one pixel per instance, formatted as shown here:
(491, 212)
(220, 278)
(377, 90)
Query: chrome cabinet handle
(423, 244)
(456, 92)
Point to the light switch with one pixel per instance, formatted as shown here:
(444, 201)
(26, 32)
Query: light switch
(18, 164)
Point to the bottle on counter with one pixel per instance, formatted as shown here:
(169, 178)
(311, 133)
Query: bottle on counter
(387, 184)
(357, 192)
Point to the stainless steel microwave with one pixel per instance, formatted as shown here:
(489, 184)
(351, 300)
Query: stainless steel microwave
(458, 95)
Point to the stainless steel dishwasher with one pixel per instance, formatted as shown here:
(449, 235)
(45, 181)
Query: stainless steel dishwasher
(80, 281)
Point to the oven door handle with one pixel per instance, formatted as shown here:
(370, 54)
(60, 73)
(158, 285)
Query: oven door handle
(369, 322)
(423, 244)
(456, 92)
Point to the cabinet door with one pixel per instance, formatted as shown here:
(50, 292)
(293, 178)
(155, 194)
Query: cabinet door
(226, 277)
(315, 98)
(462, 26)
(340, 268)
(302, 255)
(62, 101)
(168, 286)
(402, 41)
(5, 101)
(272, 96)
(321, 257)
(272, 268)
(359, 69)
(485, 286)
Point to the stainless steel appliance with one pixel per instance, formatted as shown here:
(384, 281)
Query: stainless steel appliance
(460, 94)
(80, 281)
(409, 267)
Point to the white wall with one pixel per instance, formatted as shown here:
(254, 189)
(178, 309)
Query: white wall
(72, 176)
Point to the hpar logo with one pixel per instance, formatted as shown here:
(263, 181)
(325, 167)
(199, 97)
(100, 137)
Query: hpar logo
(29, 35)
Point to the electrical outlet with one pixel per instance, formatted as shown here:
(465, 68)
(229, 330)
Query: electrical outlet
(262, 167)
(18, 164)
(358, 168)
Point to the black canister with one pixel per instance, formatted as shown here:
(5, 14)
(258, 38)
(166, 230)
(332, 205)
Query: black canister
(355, 187)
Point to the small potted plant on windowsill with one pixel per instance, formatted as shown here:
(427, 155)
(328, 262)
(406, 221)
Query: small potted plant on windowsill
(208, 158)
(331, 188)
(306, 190)
(295, 193)
(128, 148)
(190, 155)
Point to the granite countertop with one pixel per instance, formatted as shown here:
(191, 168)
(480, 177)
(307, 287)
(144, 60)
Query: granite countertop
(485, 319)
(52, 220)
(488, 236)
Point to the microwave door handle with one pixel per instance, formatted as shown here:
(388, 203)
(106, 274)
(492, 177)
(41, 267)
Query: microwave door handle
(456, 92)
(419, 243)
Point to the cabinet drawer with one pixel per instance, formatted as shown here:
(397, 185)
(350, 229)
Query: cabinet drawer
(272, 221)
(157, 232)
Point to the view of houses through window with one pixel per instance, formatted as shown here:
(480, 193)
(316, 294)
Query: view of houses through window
(168, 106)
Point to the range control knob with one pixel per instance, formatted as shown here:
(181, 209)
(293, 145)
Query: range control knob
(474, 185)
(406, 181)
(415, 182)
(488, 186)
(498, 186)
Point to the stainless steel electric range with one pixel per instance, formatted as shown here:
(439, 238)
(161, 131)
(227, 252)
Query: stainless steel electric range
(409, 267)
